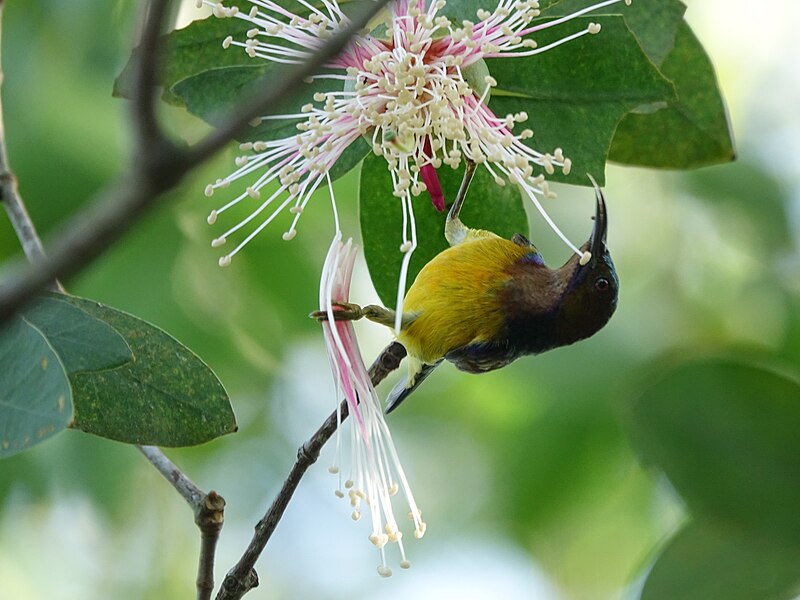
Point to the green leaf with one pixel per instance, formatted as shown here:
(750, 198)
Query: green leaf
(35, 396)
(214, 93)
(726, 435)
(188, 51)
(458, 10)
(691, 132)
(198, 48)
(167, 396)
(576, 94)
(82, 342)
(495, 208)
(705, 561)
(350, 158)
(654, 22)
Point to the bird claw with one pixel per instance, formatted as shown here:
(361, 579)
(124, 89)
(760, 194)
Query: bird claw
(342, 311)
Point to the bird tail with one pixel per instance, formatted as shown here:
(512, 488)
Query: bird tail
(417, 374)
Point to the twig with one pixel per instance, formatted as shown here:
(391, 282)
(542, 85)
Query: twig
(157, 167)
(9, 196)
(182, 484)
(209, 518)
(242, 577)
(209, 515)
(145, 76)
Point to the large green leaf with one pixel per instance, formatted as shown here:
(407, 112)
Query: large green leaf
(214, 93)
(198, 48)
(726, 435)
(576, 94)
(489, 206)
(82, 342)
(705, 561)
(692, 131)
(167, 396)
(35, 395)
(654, 22)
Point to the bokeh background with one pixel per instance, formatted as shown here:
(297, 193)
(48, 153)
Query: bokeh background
(527, 476)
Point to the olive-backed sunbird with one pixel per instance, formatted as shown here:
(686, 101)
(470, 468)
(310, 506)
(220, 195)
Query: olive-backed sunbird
(485, 301)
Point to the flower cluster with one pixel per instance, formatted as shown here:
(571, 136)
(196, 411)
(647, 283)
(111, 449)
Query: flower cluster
(418, 94)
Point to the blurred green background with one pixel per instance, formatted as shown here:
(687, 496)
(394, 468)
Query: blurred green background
(528, 477)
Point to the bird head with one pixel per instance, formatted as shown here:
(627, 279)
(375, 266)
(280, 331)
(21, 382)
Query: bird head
(592, 286)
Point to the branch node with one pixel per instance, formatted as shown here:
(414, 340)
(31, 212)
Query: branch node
(234, 587)
(387, 361)
(210, 512)
(307, 455)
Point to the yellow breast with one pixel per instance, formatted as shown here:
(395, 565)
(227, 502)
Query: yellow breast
(454, 297)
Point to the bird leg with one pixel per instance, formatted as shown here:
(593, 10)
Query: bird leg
(347, 311)
(454, 230)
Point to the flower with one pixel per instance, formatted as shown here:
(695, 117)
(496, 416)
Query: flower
(377, 474)
(419, 96)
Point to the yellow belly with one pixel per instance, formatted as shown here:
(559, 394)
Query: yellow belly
(454, 297)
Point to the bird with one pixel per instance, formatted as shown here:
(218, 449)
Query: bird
(486, 300)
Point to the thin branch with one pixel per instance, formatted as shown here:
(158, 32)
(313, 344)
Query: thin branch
(209, 515)
(9, 196)
(146, 76)
(209, 518)
(182, 484)
(156, 169)
(242, 577)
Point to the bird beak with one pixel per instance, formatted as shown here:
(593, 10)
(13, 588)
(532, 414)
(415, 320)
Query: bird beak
(597, 243)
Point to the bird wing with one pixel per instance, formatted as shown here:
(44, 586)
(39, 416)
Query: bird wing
(480, 357)
(454, 297)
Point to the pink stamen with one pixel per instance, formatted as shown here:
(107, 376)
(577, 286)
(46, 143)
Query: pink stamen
(431, 179)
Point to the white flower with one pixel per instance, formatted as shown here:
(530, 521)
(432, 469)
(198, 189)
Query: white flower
(376, 474)
(408, 94)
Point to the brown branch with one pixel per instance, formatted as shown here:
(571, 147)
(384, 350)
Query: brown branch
(158, 166)
(145, 76)
(242, 577)
(209, 518)
(209, 515)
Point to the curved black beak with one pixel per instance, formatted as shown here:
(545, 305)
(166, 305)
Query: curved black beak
(597, 243)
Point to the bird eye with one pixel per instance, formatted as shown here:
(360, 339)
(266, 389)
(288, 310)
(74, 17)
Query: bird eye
(601, 285)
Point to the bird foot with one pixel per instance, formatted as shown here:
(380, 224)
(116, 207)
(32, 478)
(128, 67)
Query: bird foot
(342, 311)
